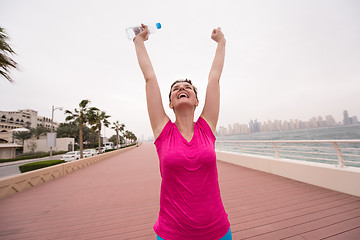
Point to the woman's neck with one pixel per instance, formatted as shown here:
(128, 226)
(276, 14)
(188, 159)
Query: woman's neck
(185, 124)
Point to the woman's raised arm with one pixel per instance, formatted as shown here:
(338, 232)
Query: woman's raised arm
(212, 100)
(157, 115)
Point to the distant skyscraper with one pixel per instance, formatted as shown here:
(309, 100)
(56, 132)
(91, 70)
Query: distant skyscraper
(230, 130)
(236, 128)
(222, 131)
(330, 121)
(346, 118)
(354, 120)
(254, 126)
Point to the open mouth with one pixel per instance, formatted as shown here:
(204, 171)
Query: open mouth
(183, 95)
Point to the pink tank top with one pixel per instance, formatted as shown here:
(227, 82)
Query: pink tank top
(190, 201)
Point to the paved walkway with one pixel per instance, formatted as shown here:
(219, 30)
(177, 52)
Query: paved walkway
(119, 197)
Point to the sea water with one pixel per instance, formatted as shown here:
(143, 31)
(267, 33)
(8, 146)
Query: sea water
(331, 133)
(309, 151)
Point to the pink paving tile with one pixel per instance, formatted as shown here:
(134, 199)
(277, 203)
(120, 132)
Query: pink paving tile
(352, 234)
(334, 229)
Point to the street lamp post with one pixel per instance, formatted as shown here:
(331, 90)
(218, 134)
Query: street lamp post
(52, 123)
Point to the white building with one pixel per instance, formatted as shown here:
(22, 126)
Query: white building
(26, 118)
(222, 131)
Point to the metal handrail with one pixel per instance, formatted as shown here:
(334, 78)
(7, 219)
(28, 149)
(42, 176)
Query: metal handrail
(335, 150)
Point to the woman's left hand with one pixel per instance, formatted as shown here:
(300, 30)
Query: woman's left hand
(217, 35)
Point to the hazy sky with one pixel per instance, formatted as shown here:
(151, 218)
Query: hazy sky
(284, 59)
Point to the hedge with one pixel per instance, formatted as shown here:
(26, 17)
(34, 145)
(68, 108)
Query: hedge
(37, 165)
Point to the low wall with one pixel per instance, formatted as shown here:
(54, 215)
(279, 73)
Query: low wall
(341, 179)
(62, 144)
(21, 182)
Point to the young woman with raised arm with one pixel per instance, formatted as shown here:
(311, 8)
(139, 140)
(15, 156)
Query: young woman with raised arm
(190, 201)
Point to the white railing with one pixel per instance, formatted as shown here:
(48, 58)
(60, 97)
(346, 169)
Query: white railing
(336, 152)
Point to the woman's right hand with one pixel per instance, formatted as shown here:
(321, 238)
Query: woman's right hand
(144, 35)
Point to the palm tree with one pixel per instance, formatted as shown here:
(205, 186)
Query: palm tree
(97, 118)
(130, 136)
(81, 117)
(39, 131)
(118, 127)
(23, 135)
(90, 137)
(5, 61)
(68, 130)
(127, 135)
(133, 137)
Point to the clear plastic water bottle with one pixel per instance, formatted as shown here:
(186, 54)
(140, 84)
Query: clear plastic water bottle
(131, 32)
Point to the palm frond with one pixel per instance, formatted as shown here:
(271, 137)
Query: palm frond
(69, 118)
(83, 103)
(5, 61)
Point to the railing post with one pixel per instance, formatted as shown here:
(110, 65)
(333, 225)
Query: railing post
(339, 155)
(240, 149)
(276, 151)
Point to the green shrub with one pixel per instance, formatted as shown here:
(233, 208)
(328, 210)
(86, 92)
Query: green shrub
(37, 165)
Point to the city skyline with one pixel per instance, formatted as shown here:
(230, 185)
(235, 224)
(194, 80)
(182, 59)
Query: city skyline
(251, 127)
(286, 125)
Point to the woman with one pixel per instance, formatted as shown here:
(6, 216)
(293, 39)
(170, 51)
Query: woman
(190, 201)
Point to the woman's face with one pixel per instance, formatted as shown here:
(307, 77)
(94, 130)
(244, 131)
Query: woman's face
(182, 94)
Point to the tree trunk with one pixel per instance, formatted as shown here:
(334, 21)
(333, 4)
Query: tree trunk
(117, 137)
(81, 140)
(99, 140)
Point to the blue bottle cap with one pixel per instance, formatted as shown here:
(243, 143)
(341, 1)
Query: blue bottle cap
(158, 25)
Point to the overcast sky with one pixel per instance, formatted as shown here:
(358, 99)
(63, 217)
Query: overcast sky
(284, 59)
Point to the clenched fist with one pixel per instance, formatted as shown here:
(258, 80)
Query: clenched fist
(217, 35)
